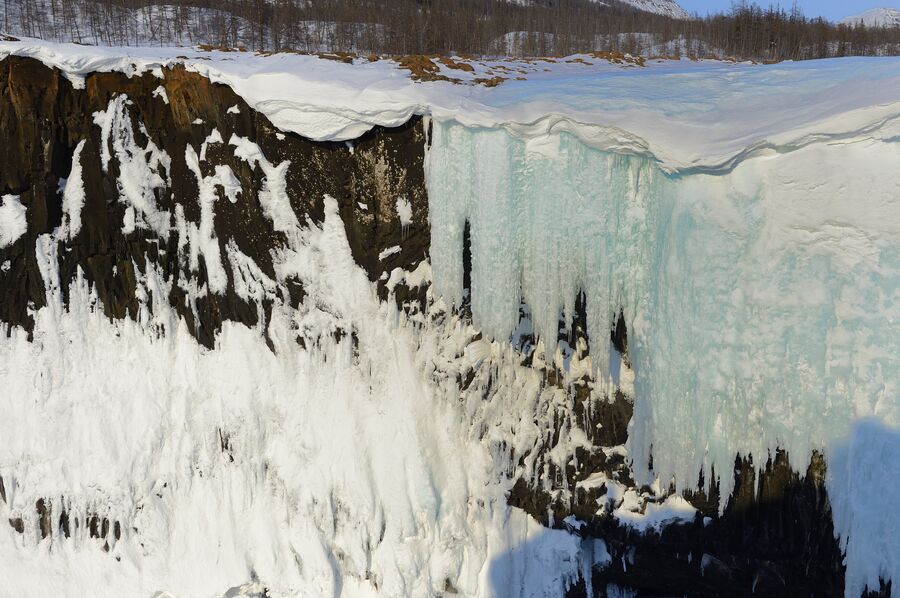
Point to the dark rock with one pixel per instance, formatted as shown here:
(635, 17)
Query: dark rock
(43, 510)
(17, 524)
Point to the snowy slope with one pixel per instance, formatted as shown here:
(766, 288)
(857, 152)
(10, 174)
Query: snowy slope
(669, 8)
(743, 218)
(876, 17)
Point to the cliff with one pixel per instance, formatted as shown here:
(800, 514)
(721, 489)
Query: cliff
(177, 178)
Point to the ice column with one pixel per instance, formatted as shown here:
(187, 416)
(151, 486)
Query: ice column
(547, 219)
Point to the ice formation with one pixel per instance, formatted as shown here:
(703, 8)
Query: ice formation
(378, 486)
(762, 305)
(756, 262)
(272, 196)
(336, 466)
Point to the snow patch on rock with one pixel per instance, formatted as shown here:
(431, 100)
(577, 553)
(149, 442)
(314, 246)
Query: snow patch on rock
(143, 171)
(12, 220)
(73, 195)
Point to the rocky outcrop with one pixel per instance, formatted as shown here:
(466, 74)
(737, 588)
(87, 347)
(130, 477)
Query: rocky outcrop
(43, 118)
(775, 536)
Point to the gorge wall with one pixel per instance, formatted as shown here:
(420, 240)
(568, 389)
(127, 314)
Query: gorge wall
(162, 205)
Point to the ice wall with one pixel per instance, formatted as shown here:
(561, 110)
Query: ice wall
(762, 304)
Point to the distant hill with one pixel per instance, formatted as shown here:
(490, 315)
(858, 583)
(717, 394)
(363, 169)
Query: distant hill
(669, 8)
(877, 17)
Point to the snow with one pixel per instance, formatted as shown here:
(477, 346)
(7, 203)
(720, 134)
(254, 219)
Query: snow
(272, 196)
(201, 238)
(674, 112)
(12, 220)
(388, 252)
(875, 17)
(73, 194)
(404, 211)
(319, 471)
(662, 7)
(863, 490)
(645, 512)
(674, 509)
(160, 92)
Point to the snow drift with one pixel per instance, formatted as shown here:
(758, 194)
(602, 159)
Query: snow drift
(685, 115)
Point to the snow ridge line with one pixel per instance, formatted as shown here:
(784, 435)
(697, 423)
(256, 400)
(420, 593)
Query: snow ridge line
(714, 114)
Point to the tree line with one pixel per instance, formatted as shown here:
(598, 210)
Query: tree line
(463, 27)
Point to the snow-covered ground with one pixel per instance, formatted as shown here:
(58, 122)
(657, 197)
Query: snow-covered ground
(684, 115)
(745, 218)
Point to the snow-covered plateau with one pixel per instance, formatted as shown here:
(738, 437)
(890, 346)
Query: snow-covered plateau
(293, 326)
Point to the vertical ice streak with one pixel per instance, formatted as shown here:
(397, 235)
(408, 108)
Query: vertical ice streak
(449, 164)
(548, 220)
(494, 223)
(74, 195)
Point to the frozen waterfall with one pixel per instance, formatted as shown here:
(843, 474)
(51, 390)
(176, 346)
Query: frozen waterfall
(762, 304)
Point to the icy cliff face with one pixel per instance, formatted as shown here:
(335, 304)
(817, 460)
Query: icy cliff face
(785, 269)
(209, 387)
(443, 357)
(761, 304)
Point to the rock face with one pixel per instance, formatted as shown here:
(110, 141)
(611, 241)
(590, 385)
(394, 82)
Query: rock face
(775, 536)
(43, 120)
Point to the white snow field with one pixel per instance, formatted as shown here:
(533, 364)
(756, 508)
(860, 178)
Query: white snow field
(744, 218)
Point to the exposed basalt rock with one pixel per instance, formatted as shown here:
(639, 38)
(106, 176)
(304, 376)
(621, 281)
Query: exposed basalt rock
(775, 535)
(43, 117)
(775, 538)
